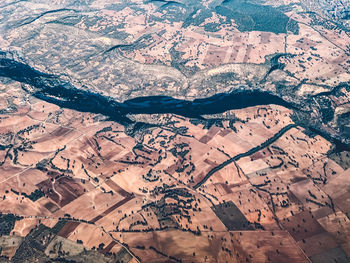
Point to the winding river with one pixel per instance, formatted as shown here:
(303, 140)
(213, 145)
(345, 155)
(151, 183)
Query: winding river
(62, 93)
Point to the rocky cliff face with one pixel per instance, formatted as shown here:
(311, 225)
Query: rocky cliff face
(336, 9)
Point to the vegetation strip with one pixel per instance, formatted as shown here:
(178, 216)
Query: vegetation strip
(248, 153)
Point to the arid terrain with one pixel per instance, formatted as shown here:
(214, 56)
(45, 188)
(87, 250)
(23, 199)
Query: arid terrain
(175, 131)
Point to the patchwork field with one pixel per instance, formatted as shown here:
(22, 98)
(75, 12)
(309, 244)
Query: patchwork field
(174, 131)
(250, 186)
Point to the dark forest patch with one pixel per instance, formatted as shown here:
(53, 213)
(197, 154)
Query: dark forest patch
(7, 223)
(253, 17)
